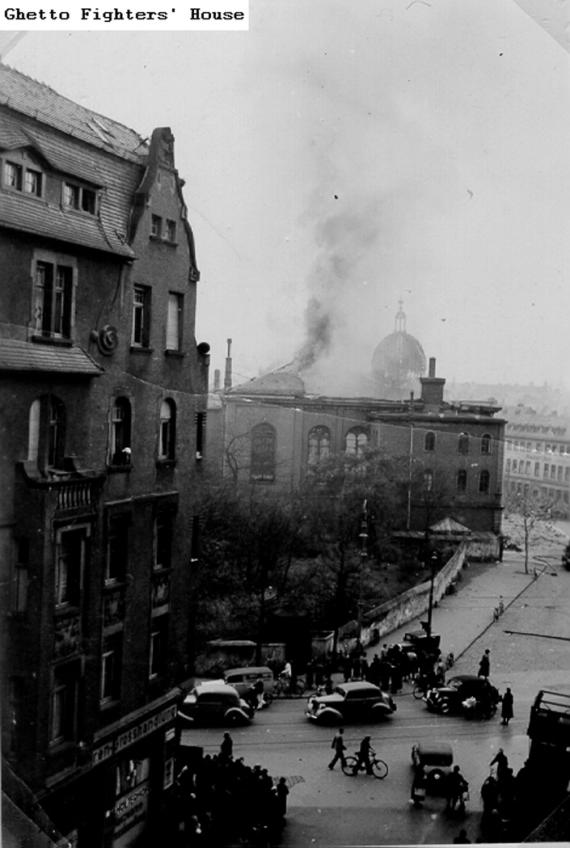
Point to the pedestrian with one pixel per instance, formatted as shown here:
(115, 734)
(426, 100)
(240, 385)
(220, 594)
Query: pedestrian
(282, 792)
(502, 762)
(227, 747)
(339, 748)
(419, 784)
(456, 787)
(507, 707)
(485, 664)
(462, 838)
(489, 795)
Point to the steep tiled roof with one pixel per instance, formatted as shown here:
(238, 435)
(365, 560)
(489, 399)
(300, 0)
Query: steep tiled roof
(46, 106)
(32, 215)
(20, 356)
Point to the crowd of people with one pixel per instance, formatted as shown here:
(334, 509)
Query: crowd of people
(220, 799)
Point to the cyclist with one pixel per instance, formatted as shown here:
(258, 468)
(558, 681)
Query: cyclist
(363, 757)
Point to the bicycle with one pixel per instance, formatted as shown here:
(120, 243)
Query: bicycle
(285, 688)
(351, 766)
(421, 686)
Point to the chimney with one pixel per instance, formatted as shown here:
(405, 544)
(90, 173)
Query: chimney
(432, 386)
(217, 380)
(228, 372)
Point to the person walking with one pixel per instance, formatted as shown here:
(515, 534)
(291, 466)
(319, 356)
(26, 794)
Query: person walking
(339, 748)
(456, 787)
(502, 762)
(507, 707)
(282, 791)
(227, 747)
(485, 664)
(419, 784)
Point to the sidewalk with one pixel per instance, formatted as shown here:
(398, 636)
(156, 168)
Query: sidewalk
(461, 618)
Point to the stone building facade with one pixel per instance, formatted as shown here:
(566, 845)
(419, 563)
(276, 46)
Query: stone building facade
(103, 398)
(267, 433)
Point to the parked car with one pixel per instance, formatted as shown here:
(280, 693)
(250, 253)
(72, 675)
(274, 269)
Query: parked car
(214, 702)
(436, 758)
(357, 701)
(449, 698)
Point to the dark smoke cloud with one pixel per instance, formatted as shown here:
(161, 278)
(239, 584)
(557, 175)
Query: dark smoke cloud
(343, 240)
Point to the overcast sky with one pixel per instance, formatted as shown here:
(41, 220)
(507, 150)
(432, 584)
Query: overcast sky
(356, 153)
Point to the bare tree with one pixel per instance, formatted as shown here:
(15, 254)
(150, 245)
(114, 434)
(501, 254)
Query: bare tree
(533, 507)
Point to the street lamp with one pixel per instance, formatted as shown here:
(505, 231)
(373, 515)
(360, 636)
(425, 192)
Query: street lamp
(434, 559)
(363, 539)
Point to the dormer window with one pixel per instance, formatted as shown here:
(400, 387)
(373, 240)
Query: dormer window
(80, 198)
(33, 182)
(19, 178)
(13, 175)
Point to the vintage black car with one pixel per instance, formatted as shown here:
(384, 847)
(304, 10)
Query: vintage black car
(436, 760)
(214, 702)
(463, 688)
(356, 701)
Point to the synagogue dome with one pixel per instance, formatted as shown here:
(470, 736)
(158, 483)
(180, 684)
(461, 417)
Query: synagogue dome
(398, 362)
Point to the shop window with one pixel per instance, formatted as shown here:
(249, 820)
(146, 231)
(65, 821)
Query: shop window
(356, 442)
(64, 703)
(174, 321)
(167, 435)
(484, 481)
(263, 447)
(70, 557)
(120, 453)
(158, 653)
(130, 773)
(463, 443)
(117, 548)
(486, 444)
(111, 663)
(319, 446)
(461, 481)
(429, 441)
(53, 298)
(163, 541)
(141, 316)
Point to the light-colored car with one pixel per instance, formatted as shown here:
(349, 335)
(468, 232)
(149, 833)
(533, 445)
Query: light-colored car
(214, 702)
(356, 701)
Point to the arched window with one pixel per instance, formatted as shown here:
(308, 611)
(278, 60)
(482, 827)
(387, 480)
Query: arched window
(356, 442)
(461, 480)
(428, 480)
(463, 443)
(263, 444)
(120, 442)
(486, 443)
(484, 481)
(167, 433)
(429, 441)
(46, 432)
(319, 445)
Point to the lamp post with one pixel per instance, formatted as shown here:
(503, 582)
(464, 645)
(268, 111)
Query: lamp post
(363, 539)
(434, 558)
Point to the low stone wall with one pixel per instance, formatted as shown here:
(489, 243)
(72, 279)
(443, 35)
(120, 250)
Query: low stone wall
(409, 605)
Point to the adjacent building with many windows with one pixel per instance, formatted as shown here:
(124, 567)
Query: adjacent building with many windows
(537, 459)
(103, 399)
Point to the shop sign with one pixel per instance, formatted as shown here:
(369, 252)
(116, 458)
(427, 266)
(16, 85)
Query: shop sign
(133, 734)
(131, 809)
